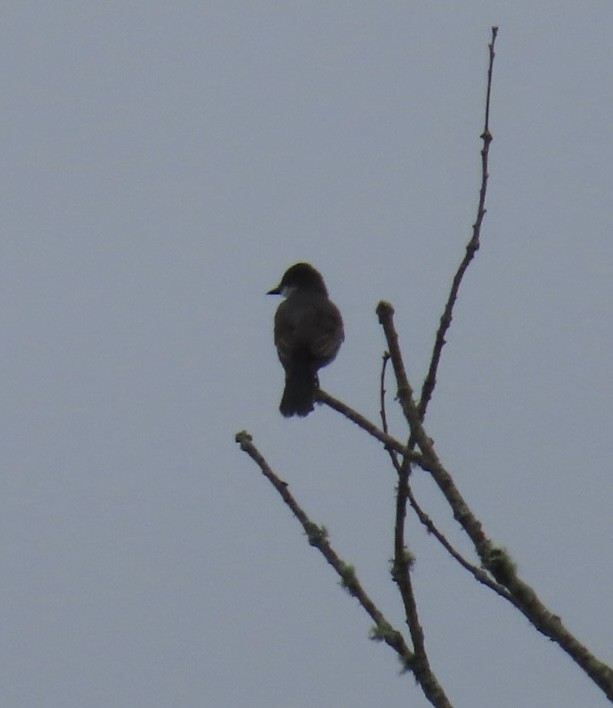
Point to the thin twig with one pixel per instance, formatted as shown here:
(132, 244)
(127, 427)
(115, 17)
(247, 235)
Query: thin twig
(388, 441)
(479, 574)
(392, 453)
(430, 381)
(471, 248)
(384, 359)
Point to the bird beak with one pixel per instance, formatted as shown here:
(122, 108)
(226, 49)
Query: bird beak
(274, 291)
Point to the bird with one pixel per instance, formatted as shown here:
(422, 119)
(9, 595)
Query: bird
(308, 332)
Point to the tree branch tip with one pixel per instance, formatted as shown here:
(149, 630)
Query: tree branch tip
(384, 310)
(243, 438)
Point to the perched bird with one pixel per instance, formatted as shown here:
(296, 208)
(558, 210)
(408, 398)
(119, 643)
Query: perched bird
(308, 335)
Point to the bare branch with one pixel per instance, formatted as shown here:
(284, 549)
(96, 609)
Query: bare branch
(405, 493)
(318, 538)
(401, 571)
(479, 574)
(471, 248)
(389, 442)
(498, 571)
(385, 358)
(493, 558)
(403, 559)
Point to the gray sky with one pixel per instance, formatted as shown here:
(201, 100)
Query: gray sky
(162, 165)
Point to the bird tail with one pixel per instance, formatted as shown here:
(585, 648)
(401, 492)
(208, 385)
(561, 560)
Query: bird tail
(299, 393)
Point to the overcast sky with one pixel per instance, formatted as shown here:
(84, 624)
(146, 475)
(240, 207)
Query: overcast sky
(162, 164)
